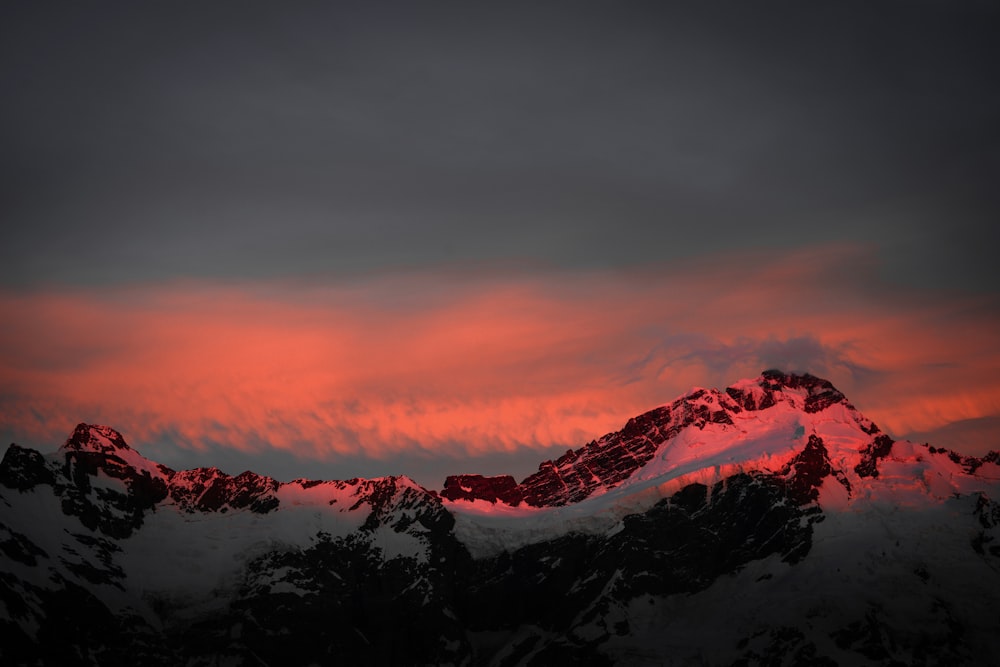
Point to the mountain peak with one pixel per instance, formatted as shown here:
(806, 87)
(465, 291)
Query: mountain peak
(820, 393)
(107, 446)
(96, 438)
(754, 409)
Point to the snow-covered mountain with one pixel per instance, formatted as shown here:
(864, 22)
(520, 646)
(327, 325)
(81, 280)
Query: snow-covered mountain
(769, 523)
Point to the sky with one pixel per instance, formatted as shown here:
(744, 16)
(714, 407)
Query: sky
(347, 239)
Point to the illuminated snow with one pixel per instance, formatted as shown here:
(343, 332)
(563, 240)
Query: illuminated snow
(758, 440)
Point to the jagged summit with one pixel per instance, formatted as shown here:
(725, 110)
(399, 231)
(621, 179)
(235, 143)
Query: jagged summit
(112, 488)
(95, 438)
(94, 445)
(767, 417)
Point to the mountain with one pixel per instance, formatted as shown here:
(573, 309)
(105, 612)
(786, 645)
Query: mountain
(766, 524)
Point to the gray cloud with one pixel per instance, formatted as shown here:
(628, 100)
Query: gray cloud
(234, 141)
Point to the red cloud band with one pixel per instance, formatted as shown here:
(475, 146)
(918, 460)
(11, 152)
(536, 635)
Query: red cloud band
(472, 363)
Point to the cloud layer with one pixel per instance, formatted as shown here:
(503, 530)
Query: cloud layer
(471, 363)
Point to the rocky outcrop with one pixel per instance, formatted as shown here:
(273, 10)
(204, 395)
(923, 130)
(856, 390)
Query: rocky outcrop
(211, 490)
(820, 393)
(970, 463)
(805, 473)
(608, 461)
(872, 453)
(501, 488)
(23, 468)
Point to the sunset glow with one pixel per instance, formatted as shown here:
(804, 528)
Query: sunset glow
(465, 364)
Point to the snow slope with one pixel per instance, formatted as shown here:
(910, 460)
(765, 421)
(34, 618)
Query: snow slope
(763, 439)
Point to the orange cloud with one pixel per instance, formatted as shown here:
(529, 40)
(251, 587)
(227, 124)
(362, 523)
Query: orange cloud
(466, 363)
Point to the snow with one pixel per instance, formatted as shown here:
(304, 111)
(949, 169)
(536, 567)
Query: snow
(887, 545)
(763, 440)
(186, 564)
(38, 513)
(102, 481)
(758, 440)
(191, 555)
(193, 561)
(397, 545)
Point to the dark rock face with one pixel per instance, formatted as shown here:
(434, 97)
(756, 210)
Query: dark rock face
(679, 546)
(76, 629)
(115, 510)
(211, 490)
(986, 542)
(806, 472)
(97, 439)
(389, 496)
(501, 488)
(19, 548)
(821, 393)
(574, 476)
(749, 400)
(877, 450)
(23, 469)
(970, 463)
(344, 598)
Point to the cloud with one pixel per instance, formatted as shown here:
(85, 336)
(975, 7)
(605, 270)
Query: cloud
(465, 363)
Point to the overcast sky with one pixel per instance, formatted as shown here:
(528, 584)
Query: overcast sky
(393, 161)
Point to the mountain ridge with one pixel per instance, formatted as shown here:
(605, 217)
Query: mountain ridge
(611, 459)
(600, 464)
(617, 459)
(773, 504)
